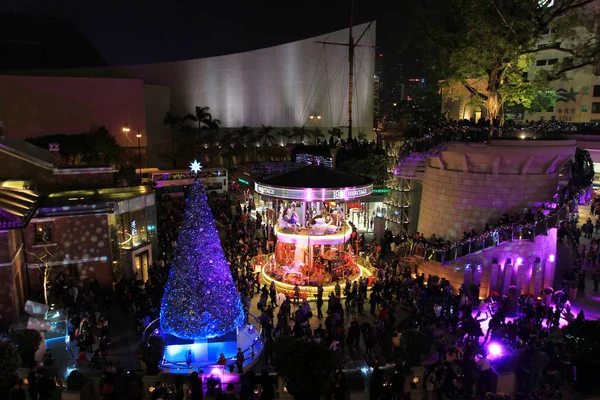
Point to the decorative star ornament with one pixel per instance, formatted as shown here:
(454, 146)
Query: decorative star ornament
(195, 166)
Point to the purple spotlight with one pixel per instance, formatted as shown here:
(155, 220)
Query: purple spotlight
(519, 260)
(551, 258)
(494, 350)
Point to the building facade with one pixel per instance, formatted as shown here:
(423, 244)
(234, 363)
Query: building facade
(70, 220)
(280, 86)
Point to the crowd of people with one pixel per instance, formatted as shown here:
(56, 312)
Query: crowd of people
(401, 318)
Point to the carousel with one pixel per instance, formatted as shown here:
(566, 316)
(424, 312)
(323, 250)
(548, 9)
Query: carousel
(315, 244)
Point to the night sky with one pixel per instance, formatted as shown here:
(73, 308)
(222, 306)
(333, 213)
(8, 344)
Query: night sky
(133, 31)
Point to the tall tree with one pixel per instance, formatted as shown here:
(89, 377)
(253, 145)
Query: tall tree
(200, 300)
(265, 136)
(174, 123)
(487, 47)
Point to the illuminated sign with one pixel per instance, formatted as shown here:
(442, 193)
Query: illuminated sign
(133, 228)
(380, 191)
(245, 182)
(314, 194)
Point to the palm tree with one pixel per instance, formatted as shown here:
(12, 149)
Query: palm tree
(244, 139)
(284, 134)
(299, 132)
(207, 130)
(335, 132)
(174, 123)
(317, 134)
(265, 136)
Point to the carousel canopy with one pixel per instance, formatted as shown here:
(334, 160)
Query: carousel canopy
(314, 183)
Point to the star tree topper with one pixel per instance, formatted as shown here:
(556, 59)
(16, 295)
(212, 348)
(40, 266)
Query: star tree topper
(195, 166)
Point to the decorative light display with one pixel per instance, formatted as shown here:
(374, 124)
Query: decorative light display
(200, 300)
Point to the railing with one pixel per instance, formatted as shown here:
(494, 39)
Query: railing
(251, 353)
(267, 261)
(480, 243)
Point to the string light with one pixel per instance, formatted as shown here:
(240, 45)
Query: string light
(200, 300)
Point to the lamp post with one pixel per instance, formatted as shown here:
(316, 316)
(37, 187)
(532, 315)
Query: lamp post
(139, 137)
(315, 117)
(126, 130)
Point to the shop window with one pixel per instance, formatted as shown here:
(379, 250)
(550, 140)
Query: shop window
(43, 232)
(596, 108)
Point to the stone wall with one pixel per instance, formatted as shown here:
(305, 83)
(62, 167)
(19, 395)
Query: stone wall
(529, 276)
(467, 185)
(453, 202)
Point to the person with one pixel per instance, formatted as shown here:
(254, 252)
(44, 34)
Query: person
(596, 279)
(17, 392)
(181, 389)
(196, 387)
(484, 366)
(239, 361)
(268, 392)
(222, 360)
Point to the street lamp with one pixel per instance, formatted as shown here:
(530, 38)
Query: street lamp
(315, 117)
(139, 137)
(126, 130)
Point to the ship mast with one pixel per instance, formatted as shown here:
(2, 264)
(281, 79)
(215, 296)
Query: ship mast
(351, 46)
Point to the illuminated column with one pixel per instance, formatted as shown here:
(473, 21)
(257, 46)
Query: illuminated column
(537, 279)
(468, 275)
(523, 273)
(477, 272)
(507, 276)
(494, 275)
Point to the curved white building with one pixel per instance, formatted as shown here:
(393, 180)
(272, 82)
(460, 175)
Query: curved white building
(279, 86)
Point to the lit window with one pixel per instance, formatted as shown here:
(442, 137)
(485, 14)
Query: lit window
(43, 232)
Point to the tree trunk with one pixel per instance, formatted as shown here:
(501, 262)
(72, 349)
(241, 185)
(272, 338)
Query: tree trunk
(493, 105)
(45, 288)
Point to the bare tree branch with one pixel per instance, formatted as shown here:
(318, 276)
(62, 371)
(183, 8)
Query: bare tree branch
(503, 18)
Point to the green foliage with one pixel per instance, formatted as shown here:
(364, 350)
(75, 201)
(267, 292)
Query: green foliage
(543, 101)
(151, 352)
(9, 361)
(27, 342)
(366, 163)
(416, 345)
(76, 380)
(583, 341)
(307, 368)
(489, 47)
(95, 147)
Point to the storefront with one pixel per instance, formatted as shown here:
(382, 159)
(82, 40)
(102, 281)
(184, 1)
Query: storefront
(363, 214)
(133, 227)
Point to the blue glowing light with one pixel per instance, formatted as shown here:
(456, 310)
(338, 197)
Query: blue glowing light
(200, 300)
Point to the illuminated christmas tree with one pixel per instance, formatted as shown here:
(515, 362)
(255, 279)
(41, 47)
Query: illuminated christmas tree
(200, 300)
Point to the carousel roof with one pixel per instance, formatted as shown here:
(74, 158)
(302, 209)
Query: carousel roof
(315, 177)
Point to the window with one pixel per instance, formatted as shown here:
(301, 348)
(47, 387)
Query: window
(584, 108)
(596, 90)
(552, 61)
(568, 61)
(566, 110)
(557, 45)
(43, 232)
(572, 111)
(595, 108)
(539, 63)
(560, 110)
(542, 46)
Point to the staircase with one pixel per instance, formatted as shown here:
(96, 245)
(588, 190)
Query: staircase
(564, 258)
(411, 167)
